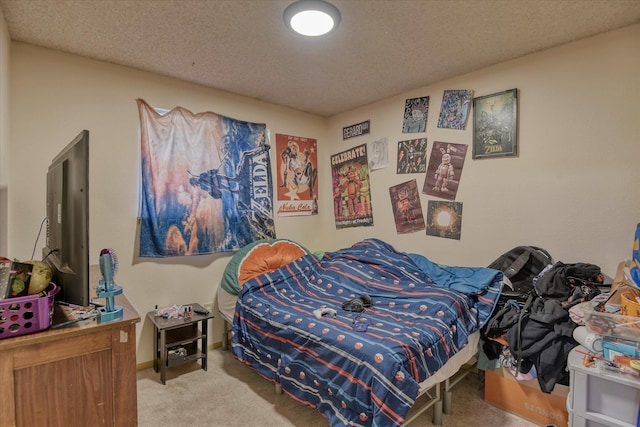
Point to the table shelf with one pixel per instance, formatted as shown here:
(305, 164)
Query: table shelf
(187, 359)
(189, 333)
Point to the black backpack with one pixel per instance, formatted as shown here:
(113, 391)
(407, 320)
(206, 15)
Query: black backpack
(521, 265)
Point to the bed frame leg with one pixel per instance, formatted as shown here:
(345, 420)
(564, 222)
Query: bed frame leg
(278, 389)
(449, 383)
(225, 336)
(446, 402)
(437, 413)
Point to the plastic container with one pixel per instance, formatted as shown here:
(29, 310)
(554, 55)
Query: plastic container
(599, 398)
(613, 325)
(28, 314)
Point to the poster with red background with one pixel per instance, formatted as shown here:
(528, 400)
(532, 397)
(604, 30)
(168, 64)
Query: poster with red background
(297, 181)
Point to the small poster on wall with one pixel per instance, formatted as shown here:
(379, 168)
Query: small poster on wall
(407, 210)
(297, 176)
(380, 153)
(416, 111)
(412, 156)
(444, 219)
(351, 191)
(358, 129)
(444, 170)
(455, 109)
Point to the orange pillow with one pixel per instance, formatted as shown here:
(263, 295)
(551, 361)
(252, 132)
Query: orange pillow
(257, 258)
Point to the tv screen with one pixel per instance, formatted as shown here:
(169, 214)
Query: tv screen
(67, 248)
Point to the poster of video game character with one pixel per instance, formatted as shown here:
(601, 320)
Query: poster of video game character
(495, 125)
(407, 210)
(444, 170)
(297, 192)
(412, 156)
(351, 191)
(416, 111)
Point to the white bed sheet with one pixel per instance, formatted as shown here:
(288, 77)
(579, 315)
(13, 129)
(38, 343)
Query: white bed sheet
(226, 304)
(454, 364)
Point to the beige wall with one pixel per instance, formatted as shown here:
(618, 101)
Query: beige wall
(574, 187)
(4, 133)
(571, 190)
(54, 97)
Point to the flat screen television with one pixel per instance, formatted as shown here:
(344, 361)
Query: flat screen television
(67, 243)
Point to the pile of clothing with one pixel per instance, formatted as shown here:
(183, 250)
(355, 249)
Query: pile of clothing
(533, 335)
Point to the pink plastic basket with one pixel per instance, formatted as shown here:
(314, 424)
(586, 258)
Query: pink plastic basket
(26, 315)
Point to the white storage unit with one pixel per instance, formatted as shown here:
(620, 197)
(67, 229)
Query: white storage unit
(599, 398)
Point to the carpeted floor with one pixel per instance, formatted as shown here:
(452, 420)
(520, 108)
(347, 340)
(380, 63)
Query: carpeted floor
(229, 394)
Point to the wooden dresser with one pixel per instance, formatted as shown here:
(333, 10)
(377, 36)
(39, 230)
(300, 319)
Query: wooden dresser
(78, 375)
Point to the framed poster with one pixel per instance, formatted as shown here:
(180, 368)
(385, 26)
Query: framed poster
(495, 125)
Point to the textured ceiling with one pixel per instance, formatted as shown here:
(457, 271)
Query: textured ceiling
(382, 47)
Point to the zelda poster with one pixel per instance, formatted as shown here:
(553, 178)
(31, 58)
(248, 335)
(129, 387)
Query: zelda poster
(351, 192)
(495, 125)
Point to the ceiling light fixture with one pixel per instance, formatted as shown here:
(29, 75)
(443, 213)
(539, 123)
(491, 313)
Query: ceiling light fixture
(311, 17)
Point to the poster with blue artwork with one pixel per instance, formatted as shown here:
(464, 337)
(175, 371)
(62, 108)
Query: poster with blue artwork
(205, 185)
(455, 109)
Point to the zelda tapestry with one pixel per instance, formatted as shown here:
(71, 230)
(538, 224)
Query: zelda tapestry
(206, 183)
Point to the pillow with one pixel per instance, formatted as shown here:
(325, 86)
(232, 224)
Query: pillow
(259, 257)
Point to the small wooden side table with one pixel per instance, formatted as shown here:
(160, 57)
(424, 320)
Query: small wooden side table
(179, 340)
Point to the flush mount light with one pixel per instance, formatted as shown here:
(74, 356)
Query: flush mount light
(311, 17)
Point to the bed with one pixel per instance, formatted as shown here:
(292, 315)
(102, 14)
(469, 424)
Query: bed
(421, 328)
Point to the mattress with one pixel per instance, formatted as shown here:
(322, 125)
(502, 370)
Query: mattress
(226, 304)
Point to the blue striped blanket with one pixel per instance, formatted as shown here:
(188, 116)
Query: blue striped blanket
(360, 378)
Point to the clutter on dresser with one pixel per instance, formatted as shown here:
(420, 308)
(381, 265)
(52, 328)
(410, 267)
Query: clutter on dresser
(26, 297)
(70, 314)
